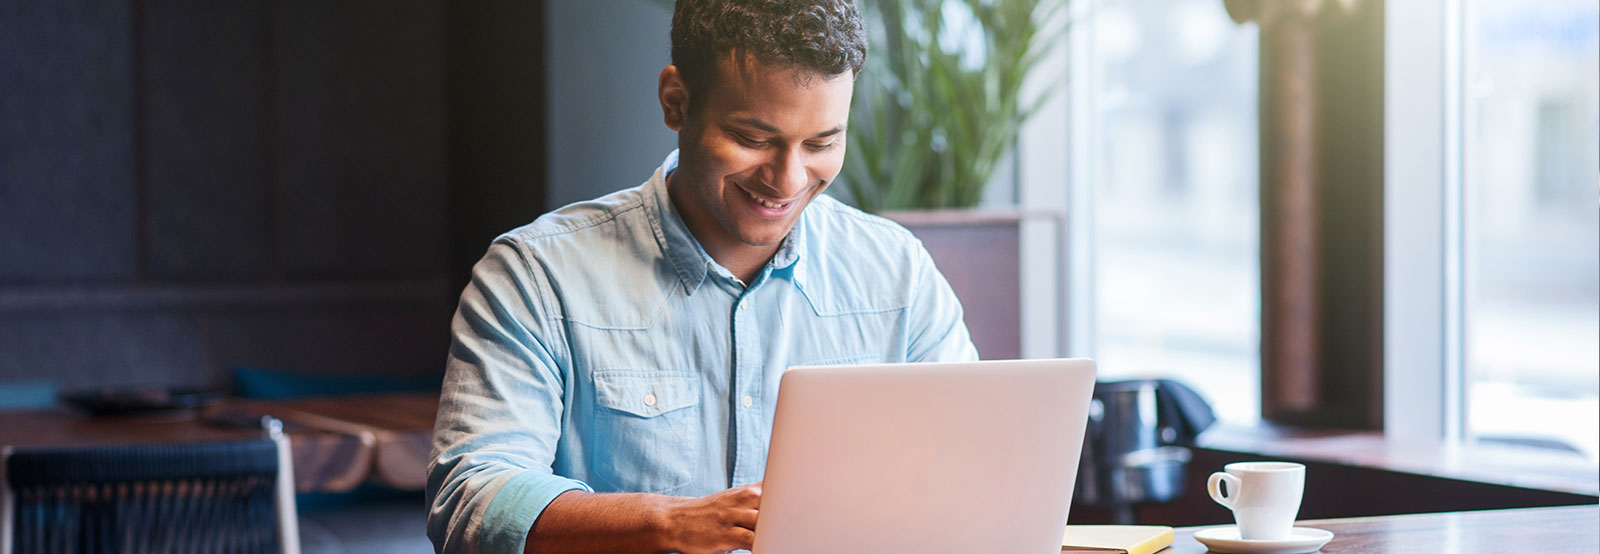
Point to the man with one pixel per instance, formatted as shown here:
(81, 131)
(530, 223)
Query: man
(616, 362)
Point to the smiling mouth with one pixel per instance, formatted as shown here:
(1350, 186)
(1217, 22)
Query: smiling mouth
(764, 202)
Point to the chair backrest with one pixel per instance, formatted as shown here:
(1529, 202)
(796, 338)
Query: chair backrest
(199, 497)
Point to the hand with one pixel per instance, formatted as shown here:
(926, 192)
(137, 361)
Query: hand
(717, 523)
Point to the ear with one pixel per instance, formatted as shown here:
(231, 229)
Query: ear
(674, 97)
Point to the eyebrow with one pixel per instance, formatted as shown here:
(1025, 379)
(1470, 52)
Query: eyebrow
(766, 127)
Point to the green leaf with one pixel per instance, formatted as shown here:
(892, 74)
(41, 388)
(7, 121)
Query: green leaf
(931, 124)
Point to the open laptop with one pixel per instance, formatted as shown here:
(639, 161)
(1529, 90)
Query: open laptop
(963, 457)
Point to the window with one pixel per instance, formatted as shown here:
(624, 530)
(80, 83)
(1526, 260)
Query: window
(1531, 228)
(1490, 222)
(1173, 146)
(1490, 273)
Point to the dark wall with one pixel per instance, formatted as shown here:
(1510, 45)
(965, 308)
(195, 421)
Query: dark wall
(188, 186)
(605, 126)
(498, 150)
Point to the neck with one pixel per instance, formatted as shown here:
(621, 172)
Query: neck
(740, 258)
(745, 269)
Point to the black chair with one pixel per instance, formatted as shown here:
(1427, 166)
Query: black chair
(200, 498)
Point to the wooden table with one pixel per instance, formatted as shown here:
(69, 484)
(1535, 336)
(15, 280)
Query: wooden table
(1574, 529)
(395, 430)
(338, 442)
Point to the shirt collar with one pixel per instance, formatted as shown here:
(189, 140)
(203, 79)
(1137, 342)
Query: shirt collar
(794, 245)
(688, 258)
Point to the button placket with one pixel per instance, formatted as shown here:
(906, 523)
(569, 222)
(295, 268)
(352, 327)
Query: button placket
(747, 372)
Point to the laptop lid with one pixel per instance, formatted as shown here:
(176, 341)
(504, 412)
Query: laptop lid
(924, 457)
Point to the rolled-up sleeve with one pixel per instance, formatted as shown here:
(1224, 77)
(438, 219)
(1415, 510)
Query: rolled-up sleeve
(500, 411)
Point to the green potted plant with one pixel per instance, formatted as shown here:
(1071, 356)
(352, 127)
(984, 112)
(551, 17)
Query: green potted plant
(936, 110)
(941, 100)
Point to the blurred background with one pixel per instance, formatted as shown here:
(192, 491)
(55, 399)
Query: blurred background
(296, 189)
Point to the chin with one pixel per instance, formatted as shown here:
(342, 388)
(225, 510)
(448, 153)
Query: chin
(763, 238)
(762, 233)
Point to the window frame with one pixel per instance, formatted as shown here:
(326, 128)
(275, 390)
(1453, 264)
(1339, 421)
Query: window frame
(1424, 396)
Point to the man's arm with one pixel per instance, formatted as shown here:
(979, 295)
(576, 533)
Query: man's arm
(579, 523)
(491, 487)
(500, 408)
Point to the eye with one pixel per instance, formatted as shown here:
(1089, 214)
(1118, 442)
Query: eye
(744, 139)
(822, 147)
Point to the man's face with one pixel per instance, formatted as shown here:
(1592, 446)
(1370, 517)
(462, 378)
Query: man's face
(761, 143)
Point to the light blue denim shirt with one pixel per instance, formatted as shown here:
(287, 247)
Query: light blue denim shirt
(600, 348)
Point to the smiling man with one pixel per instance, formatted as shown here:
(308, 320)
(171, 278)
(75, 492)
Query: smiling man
(615, 364)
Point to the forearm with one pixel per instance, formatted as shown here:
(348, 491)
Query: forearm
(580, 522)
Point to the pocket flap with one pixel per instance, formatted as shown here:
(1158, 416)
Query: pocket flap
(646, 393)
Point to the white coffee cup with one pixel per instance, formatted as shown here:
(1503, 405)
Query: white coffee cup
(1264, 496)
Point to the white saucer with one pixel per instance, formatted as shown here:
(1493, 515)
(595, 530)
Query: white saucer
(1226, 539)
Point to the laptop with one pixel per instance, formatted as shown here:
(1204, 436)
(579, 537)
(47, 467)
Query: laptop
(965, 457)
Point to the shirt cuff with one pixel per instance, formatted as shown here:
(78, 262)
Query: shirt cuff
(517, 505)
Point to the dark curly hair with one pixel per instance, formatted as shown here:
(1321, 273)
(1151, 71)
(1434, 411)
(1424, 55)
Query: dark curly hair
(825, 36)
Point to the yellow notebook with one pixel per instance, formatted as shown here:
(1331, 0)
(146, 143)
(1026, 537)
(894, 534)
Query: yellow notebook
(1111, 539)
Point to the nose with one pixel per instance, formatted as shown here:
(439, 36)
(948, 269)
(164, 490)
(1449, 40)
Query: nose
(789, 172)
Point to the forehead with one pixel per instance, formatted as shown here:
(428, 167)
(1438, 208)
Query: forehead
(785, 96)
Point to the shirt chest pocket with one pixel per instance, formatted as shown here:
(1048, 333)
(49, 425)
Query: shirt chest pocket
(647, 430)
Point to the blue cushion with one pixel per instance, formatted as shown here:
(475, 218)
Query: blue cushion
(275, 384)
(365, 493)
(27, 395)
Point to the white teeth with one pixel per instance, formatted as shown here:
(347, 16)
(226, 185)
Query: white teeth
(764, 202)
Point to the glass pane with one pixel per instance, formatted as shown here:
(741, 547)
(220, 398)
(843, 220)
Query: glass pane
(1532, 234)
(1175, 200)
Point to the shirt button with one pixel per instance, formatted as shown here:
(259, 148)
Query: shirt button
(649, 399)
(747, 401)
(744, 307)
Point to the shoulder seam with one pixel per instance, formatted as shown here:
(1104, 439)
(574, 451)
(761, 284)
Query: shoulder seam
(526, 257)
(855, 214)
(543, 293)
(591, 222)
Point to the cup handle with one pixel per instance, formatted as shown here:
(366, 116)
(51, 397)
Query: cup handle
(1216, 492)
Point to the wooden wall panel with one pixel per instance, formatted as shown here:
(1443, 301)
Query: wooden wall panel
(497, 124)
(208, 209)
(389, 338)
(190, 345)
(361, 137)
(189, 186)
(67, 192)
(101, 348)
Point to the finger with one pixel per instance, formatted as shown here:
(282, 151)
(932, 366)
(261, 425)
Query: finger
(745, 519)
(742, 538)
